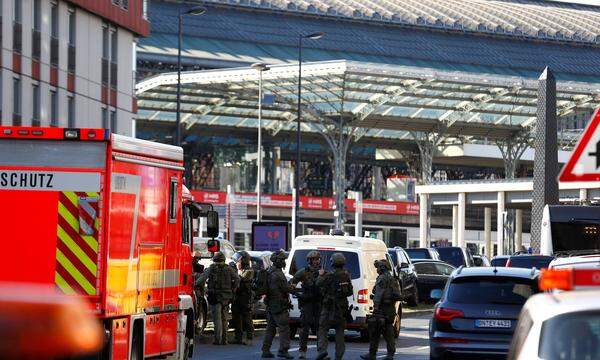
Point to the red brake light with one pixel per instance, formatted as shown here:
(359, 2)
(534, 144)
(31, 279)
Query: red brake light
(363, 296)
(445, 314)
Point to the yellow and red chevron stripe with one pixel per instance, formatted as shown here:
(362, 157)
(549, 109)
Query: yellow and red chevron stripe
(76, 254)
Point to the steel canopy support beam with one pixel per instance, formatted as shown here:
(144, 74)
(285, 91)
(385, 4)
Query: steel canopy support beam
(512, 149)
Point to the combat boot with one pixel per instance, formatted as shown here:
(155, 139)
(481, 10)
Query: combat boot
(267, 355)
(368, 357)
(284, 355)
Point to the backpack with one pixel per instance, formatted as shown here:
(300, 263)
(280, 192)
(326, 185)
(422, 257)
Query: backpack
(260, 284)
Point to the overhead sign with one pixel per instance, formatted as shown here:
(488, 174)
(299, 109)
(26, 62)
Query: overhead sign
(584, 163)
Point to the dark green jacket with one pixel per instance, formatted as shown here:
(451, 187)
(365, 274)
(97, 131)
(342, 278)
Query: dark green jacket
(244, 295)
(222, 282)
(278, 295)
(310, 291)
(382, 294)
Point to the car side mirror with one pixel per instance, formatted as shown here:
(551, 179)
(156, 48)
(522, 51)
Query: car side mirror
(212, 224)
(435, 294)
(213, 246)
(404, 265)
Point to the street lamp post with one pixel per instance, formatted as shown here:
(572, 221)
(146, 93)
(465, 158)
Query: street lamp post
(260, 67)
(197, 10)
(313, 36)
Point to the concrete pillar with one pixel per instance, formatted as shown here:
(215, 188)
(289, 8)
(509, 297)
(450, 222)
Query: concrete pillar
(500, 223)
(454, 225)
(583, 195)
(358, 214)
(545, 166)
(487, 232)
(518, 229)
(462, 204)
(423, 221)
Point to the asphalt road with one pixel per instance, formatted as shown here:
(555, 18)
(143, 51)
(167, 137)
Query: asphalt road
(412, 344)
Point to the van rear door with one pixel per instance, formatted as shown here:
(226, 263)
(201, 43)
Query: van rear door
(50, 218)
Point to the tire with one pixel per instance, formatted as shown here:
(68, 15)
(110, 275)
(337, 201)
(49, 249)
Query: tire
(136, 345)
(413, 300)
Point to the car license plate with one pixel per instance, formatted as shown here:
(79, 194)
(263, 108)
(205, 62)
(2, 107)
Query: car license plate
(493, 324)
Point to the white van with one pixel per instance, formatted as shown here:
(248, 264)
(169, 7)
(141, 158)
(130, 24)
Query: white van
(360, 255)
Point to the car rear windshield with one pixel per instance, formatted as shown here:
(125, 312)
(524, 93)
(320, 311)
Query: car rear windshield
(503, 290)
(418, 253)
(528, 262)
(352, 264)
(571, 336)
(579, 235)
(453, 256)
(499, 261)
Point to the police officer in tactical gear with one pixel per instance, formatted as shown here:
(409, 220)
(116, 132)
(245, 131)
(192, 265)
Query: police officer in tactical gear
(222, 282)
(278, 308)
(335, 286)
(309, 298)
(241, 309)
(385, 295)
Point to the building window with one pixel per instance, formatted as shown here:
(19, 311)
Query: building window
(53, 108)
(17, 26)
(54, 34)
(71, 110)
(114, 53)
(105, 54)
(113, 121)
(16, 101)
(72, 39)
(104, 118)
(35, 118)
(36, 35)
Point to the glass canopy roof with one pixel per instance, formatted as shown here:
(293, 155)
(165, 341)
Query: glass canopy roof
(372, 101)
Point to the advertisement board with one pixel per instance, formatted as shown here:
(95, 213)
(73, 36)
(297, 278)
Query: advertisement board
(269, 236)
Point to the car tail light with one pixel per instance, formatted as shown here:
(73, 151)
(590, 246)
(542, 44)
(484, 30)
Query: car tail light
(445, 314)
(363, 296)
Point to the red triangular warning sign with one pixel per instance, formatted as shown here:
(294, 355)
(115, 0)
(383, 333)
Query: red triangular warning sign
(584, 163)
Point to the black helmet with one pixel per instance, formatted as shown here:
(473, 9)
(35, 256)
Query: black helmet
(278, 258)
(313, 255)
(218, 257)
(338, 259)
(382, 265)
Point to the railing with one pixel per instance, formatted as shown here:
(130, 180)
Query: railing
(54, 51)
(17, 36)
(36, 46)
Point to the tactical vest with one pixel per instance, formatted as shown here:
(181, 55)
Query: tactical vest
(337, 289)
(220, 282)
(310, 290)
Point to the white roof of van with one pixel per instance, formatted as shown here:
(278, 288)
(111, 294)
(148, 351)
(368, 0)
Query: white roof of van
(336, 241)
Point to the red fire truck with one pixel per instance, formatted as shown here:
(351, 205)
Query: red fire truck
(103, 217)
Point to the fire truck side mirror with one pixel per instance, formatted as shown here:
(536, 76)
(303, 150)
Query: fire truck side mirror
(213, 246)
(212, 224)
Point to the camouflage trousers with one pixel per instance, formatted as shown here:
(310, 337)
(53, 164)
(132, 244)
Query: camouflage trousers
(339, 325)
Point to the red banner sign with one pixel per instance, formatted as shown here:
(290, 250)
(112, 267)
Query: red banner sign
(307, 202)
